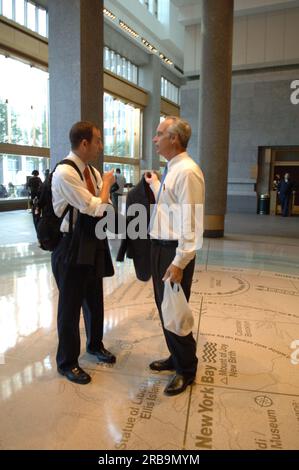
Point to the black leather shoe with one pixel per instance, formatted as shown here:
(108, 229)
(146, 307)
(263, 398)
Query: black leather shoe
(76, 374)
(103, 355)
(162, 364)
(178, 384)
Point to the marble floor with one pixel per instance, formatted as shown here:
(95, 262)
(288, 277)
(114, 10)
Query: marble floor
(245, 299)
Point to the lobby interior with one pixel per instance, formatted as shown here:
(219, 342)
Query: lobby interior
(245, 292)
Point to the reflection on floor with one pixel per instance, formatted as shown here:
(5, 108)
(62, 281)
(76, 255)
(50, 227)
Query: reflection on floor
(245, 299)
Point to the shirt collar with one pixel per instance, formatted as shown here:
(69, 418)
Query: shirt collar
(176, 159)
(81, 165)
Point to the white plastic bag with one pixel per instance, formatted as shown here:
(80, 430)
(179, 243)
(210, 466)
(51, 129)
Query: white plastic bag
(176, 313)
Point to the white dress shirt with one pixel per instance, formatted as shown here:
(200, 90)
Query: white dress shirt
(180, 209)
(68, 188)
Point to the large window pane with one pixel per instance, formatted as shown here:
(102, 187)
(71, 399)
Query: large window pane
(120, 65)
(130, 172)
(135, 74)
(169, 90)
(31, 20)
(15, 170)
(42, 22)
(7, 8)
(106, 58)
(20, 11)
(23, 104)
(121, 128)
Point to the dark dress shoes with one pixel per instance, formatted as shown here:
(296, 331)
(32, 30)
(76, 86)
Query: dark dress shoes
(76, 374)
(103, 355)
(178, 384)
(163, 364)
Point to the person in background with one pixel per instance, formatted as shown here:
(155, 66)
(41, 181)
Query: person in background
(47, 174)
(3, 191)
(120, 182)
(276, 182)
(34, 185)
(285, 190)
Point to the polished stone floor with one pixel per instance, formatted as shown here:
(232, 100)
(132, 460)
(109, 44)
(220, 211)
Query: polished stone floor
(245, 299)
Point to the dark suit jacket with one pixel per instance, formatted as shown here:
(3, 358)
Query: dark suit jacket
(285, 187)
(139, 249)
(86, 249)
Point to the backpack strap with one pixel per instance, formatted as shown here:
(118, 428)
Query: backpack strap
(69, 208)
(69, 162)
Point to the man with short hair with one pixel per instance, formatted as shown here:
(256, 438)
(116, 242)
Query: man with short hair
(80, 261)
(174, 247)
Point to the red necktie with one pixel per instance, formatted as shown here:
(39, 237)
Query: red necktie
(88, 180)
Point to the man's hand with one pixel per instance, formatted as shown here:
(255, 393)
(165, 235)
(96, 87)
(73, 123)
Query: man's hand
(174, 274)
(150, 177)
(108, 178)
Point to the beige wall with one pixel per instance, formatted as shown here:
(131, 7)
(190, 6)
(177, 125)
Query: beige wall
(265, 39)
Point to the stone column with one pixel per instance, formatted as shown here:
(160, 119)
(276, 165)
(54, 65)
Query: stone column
(76, 70)
(150, 76)
(214, 113)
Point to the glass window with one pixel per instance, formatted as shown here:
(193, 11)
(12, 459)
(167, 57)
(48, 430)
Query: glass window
(23, 104)
(124, 68)
(106, 58)
(15, 170)
(42, 21)
(169, 90)
(122, 124)
(120, 65)
(130, 172)
(151, 5)
(135, 74)
(113, 62)
(20, 11)
(31, 19)
(7, 8)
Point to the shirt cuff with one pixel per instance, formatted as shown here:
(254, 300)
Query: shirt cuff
(96, 208)
(155, 188)
(181, 261)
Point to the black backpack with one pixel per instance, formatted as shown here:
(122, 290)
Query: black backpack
(48, 227)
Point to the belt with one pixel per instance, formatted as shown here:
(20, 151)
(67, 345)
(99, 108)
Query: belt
(164, 242)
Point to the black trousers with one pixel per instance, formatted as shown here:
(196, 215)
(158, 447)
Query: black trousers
(78, 287)
(182, 348)
(285, 204)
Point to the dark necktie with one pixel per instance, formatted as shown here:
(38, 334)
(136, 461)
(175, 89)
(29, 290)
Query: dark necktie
(89, 182)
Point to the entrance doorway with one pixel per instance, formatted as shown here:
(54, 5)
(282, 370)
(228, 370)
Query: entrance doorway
(273, 161)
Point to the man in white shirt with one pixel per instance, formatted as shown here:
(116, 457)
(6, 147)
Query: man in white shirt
(80, 261)
(176, 238)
